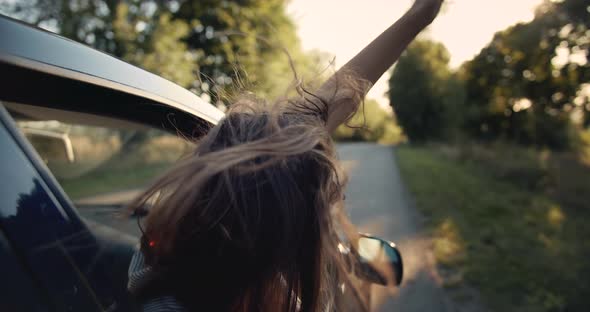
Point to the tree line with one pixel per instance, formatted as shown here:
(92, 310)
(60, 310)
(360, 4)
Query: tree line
(208, 46)
(529, 85)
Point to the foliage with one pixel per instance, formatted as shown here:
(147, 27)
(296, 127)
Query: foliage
(527, 84)
(207, 46)
(424, 93)
(243, 36)
(507, 220)
(371, 123)
(163, 52)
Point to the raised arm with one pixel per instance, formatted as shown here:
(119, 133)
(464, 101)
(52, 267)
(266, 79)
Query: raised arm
(370, 63)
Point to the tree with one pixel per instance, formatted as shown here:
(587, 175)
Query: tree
(424, 92)
(527, 84)
(241, 38)
(208, 46)
(140, 32)
(204, 45)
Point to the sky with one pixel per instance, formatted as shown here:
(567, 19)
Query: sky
(344, 27)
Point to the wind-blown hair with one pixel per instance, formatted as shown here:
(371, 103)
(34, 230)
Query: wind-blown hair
(252, 220)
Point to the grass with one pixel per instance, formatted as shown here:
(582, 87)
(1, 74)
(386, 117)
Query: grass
(112, 180)
(126, 168)
(510, 222)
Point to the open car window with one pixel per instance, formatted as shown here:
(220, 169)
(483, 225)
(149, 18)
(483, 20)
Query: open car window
(101, 163)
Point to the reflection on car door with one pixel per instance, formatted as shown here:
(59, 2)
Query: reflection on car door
(48, 236)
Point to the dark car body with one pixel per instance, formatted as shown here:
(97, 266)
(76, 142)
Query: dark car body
(50, 258)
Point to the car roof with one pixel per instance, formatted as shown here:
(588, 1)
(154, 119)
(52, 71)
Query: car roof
(27, 47)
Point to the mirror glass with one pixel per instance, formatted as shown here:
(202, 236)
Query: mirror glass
(370, 249)
(379, 261)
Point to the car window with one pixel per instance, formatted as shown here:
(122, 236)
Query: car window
(100, 162)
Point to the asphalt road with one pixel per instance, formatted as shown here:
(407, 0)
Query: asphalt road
(378, 203)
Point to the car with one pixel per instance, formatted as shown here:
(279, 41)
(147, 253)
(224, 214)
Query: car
(81, 133)
(67, 111)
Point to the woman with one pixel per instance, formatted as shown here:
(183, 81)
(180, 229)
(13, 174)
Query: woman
(251, 221)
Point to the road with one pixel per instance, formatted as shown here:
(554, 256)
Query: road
(378, 203)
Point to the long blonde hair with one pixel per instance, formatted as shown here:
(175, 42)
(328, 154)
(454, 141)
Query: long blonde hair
(252, 220)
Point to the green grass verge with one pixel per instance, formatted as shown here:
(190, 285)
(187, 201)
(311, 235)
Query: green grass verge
(112, 180)
(507, 222)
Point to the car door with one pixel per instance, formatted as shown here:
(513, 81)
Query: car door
(18, 288)
(64, 208)
(81, 134)
(47, 236)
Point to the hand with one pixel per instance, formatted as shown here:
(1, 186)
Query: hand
(428, 9)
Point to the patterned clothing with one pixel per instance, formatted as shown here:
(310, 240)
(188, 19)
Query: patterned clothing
(139, 275)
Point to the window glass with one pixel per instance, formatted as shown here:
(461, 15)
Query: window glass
(79, 268)
(101, 163)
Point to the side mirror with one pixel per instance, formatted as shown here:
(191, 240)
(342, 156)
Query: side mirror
(51, 145)
(378, 261)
